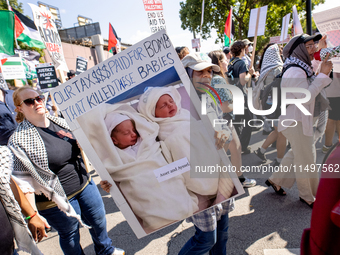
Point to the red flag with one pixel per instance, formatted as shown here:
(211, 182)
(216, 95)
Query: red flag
(18, 27)
(112, 39)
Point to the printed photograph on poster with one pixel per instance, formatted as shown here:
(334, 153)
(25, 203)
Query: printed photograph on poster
(146, 156)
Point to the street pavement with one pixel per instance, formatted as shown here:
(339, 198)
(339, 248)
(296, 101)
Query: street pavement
(262, 223)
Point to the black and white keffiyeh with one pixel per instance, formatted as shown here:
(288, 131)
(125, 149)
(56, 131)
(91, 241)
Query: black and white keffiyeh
(23, 236)
(321, 101)
(31, 162)
(308, 68)
(271, 60)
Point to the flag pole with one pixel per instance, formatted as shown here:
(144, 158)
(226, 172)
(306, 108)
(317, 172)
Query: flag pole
(10, 9)
(201, 23)
(254, 43)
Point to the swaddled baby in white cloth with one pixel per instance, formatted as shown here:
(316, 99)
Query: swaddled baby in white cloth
(163, 106)
(134, 157)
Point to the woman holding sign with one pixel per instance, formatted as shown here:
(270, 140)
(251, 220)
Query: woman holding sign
(48, 163)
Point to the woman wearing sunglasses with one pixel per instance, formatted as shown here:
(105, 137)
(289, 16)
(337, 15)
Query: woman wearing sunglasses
(48, 163)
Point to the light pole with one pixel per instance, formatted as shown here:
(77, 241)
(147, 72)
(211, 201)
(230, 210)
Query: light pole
(309, 16)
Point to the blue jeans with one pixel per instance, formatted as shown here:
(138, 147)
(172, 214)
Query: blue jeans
(214, 242)
(89, 205)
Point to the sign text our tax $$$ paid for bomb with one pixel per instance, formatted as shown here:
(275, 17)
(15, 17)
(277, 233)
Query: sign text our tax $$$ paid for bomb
(115, 76)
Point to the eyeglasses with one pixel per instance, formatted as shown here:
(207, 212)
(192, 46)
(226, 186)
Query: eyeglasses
(311, 46)
(30, 101)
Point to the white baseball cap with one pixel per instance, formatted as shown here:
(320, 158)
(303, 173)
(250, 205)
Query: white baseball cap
(199, 61)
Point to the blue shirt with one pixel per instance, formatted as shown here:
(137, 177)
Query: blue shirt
(7, 117)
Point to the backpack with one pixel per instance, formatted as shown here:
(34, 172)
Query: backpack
(266, 93)
(230, 76)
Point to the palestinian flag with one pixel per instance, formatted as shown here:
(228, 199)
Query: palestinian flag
(26, 31)
(113, 40)
(7, 32)
(229, 30)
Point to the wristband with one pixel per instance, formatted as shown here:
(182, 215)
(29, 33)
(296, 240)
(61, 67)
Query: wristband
(30, 217)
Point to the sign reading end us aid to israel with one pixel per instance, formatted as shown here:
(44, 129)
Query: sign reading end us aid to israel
(154, 12)
(116, 77)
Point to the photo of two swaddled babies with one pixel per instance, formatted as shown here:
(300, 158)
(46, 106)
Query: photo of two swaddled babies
(158, 134)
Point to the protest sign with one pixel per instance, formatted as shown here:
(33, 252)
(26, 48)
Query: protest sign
(81, 65)
(284, 28)
(297, 28)
(196, 44)
(146, 186)
(3, 83)
(45, 23)
(328, 22)
(12, 68)
(261, 23)
(154, 12)
(277, 39)
(47, 76)
(29, 58)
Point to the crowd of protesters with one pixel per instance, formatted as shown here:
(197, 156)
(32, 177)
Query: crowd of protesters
(42, 163)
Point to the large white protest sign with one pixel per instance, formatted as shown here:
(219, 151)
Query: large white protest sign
(147, 183)
(44, 21)
(262, 21)
(284, 28)
(328, 22)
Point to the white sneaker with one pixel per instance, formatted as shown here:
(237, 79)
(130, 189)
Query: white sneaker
(325, 149)
(118, 251)
(248, 183)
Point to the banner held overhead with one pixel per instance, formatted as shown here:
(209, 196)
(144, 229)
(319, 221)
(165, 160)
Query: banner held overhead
(45, 24)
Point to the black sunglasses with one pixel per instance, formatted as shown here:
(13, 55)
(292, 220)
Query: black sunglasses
(30, 101)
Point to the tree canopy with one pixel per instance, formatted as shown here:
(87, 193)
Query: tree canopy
(13, 3)
(216, 12)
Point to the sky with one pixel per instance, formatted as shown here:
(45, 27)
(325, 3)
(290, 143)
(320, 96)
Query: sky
(129, 19)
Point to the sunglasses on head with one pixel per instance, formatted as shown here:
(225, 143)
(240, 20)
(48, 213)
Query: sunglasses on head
(30, 101)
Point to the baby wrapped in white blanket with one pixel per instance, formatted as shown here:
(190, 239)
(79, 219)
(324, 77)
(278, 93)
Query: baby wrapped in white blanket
(185, 137)
(156, 203)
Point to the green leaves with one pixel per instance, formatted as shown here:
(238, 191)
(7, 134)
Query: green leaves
(216, 12)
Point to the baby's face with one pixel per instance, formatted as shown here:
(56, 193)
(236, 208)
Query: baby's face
(165, 107)
(124, 134)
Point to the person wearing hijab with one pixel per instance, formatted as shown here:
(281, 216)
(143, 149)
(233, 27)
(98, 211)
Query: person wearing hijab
(271, 65)
(298, 127)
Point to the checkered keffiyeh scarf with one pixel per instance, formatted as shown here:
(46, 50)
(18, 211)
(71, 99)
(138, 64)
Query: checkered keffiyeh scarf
(23, 237)
(31, 161)
(271, 60)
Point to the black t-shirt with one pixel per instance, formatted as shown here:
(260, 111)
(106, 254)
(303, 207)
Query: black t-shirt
(6, 233)
(64, 159)
(239, 67)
